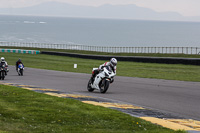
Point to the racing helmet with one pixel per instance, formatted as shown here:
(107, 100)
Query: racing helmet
(19, 60)
(113, 62)
(2, 59)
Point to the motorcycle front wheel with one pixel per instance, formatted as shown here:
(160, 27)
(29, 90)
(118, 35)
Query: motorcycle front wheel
(2, 75)
(105, 87)
(21, 72)
(90, 89)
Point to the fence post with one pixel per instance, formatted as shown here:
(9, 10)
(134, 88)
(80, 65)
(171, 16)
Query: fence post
(196, 50)
(182, 50)
(186, 50)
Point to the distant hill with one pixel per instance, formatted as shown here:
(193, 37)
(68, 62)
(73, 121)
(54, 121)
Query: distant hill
(104, 11)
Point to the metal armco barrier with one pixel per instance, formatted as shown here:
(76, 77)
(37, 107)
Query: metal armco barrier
(167, 60)
(162, 50)
(20, 51)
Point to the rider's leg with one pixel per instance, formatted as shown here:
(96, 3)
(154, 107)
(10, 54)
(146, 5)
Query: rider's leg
(94, 73)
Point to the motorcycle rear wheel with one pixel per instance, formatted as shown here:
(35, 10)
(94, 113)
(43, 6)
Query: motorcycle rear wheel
(2, 75)
(90, 89)
(21, 72)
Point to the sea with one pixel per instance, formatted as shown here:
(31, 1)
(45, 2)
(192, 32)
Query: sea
(99, 32)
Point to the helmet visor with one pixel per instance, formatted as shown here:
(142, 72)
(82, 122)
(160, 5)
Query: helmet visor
(113, 63)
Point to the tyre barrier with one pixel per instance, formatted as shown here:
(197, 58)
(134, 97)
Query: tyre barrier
(163, 60)
(22, 51)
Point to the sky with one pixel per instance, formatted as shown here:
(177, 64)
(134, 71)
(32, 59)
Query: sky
(184, 7)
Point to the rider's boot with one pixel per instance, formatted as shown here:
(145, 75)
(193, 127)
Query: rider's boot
(93, 77)
(92, 80)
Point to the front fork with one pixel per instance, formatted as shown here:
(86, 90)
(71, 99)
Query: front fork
(102, 83)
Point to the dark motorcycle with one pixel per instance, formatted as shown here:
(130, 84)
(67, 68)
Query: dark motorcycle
(20, 69)
(3, 70)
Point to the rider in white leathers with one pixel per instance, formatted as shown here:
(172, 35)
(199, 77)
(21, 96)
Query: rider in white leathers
(112, 64)
(6, 64)
(114, 67)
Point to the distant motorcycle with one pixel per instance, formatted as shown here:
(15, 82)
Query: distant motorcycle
(102, 80)
(3, 70)
(20, 69)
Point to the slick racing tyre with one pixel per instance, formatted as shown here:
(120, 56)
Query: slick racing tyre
(105, 87)
(90, 89)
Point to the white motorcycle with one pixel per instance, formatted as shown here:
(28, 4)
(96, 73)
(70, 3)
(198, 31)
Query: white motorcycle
(102, 80)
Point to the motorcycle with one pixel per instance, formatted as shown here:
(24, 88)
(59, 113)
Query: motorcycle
(3, 70)
(102, 80)
(20, 69)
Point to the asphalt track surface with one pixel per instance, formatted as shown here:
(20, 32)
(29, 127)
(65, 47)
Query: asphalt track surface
(176, 97)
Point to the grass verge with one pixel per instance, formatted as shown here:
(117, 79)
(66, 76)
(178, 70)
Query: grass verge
(25, 111)
(130, 69)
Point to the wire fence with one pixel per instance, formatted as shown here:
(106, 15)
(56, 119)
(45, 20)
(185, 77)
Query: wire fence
(162, 50)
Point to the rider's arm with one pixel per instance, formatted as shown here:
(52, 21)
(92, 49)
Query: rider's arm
(115, 70)
(105, 64)
(6, 64)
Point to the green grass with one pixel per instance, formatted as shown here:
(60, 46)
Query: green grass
(130, 69)
(23, 111)
(27, 111)
(104, 53)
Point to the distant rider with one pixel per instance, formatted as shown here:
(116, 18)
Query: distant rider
(112, 64)
(18, 62)
(6, 64)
